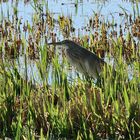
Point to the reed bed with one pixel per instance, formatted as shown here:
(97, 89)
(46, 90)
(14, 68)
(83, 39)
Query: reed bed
(68, 108)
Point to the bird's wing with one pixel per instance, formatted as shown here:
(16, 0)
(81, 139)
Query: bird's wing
(85, 60)
(82, 52)
(77, 60)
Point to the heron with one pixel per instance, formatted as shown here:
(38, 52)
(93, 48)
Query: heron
(85, 61)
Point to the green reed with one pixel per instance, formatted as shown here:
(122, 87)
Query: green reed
(69, 108)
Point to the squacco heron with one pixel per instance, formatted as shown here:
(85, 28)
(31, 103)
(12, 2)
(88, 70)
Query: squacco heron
(85, 61)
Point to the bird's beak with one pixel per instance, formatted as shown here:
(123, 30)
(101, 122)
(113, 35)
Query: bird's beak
(55, 43)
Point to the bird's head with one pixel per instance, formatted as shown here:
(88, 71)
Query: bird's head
(64, 42)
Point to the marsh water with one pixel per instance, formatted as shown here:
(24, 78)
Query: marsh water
(79, 11)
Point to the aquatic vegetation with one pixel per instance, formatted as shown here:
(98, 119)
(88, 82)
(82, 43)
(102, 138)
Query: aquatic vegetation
(61, 103)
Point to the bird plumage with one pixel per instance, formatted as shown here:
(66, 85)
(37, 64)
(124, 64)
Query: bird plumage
(85, 61)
